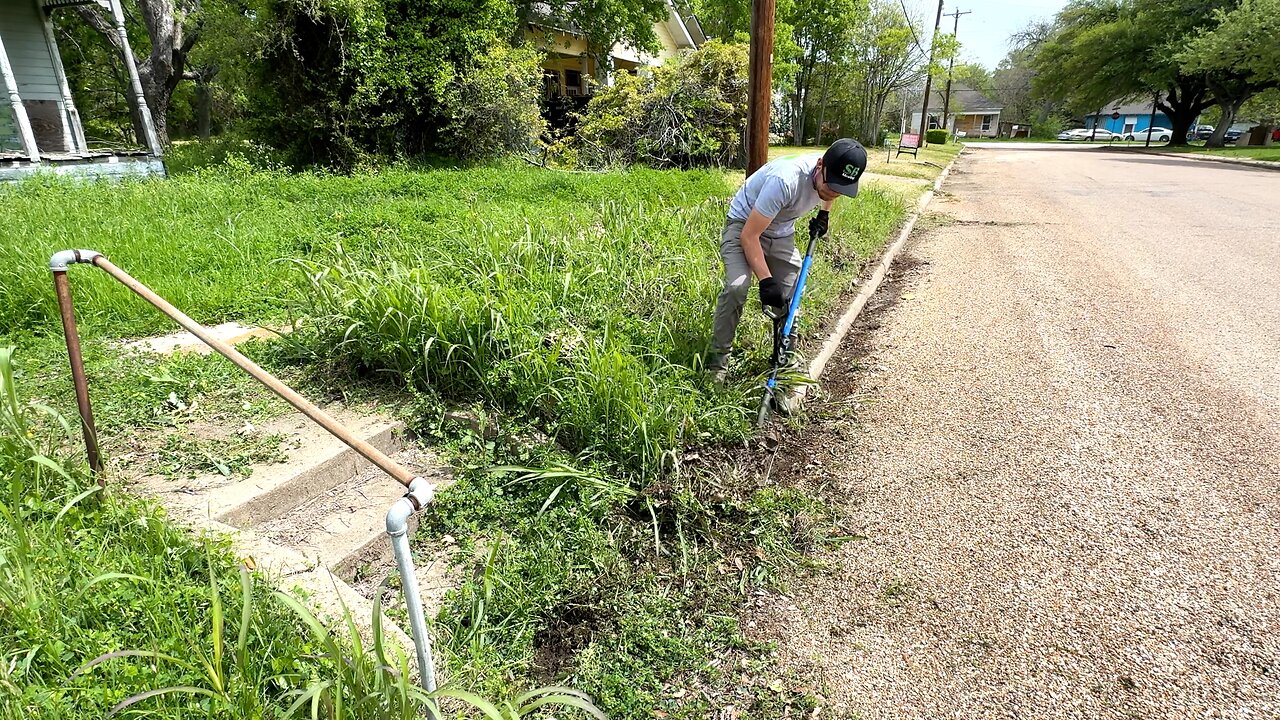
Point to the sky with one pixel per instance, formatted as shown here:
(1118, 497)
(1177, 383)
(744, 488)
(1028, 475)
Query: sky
(984, 35)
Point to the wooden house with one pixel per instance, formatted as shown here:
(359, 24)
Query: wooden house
(40, 129)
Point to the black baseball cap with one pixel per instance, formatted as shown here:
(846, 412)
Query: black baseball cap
(843, 163)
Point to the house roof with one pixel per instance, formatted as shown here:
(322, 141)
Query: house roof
(965, 99)
(1138, 107)
(685, 30)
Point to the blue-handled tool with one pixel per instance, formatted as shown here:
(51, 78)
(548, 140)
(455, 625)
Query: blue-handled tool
(782, 346)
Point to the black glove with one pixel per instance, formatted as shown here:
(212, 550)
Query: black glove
(771, 293)
(818, 225)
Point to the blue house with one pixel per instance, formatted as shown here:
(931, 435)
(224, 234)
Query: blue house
(1126, 117)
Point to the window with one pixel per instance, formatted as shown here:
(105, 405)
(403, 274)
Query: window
(986, 122)
(573, 81)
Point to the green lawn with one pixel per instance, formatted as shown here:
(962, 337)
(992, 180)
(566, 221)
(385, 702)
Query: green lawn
(927, 164)
(1268, 153)
(574, 306)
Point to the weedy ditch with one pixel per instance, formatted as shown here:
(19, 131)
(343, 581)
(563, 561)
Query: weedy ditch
(569, 309)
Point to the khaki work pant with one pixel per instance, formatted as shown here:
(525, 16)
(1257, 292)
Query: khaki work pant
(780, 255)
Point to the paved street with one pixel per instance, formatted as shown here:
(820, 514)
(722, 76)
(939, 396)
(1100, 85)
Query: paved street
(1059, 434)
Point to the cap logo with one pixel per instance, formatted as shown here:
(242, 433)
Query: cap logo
(852, 172)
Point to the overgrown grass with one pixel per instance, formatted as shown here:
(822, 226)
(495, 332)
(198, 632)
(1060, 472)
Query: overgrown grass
(105, 606)
(597, 331)
(217, 242)
(576, 306)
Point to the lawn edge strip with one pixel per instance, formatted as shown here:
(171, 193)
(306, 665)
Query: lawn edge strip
(1247, 162)
(854, 309)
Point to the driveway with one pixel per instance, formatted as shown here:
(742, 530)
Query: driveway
(1056, 436)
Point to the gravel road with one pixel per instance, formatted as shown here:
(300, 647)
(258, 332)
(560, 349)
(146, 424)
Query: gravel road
(1058, 431)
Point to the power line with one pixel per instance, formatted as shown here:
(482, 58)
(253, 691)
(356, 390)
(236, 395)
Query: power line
(910, 25)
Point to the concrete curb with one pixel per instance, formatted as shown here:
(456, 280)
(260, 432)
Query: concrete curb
(851, 313)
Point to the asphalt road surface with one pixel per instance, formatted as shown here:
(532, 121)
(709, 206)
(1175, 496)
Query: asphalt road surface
(1059, 435)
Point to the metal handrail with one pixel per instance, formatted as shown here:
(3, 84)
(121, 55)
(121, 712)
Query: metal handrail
(58, 265)
(420, 492)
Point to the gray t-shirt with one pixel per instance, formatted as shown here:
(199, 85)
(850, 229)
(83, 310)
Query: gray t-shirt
(782, 189)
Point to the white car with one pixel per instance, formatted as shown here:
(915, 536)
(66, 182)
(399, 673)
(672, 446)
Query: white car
(1158, 134)
(1096, 135)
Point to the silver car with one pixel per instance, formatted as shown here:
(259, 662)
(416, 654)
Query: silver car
(1158, 134)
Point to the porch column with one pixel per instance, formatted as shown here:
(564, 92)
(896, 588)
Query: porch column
(586, 73)
(135, 83)
(72, 130)
(19, 110)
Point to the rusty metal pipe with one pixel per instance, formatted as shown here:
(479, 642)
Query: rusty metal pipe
(67, 310)
(304, 406)
(59, 263)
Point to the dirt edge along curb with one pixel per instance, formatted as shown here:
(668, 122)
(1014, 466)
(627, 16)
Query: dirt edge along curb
(851, 313)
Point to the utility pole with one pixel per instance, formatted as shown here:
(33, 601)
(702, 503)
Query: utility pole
(928, 77)
(759, 84)
(951, 63)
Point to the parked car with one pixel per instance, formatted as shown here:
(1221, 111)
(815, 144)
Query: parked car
(1232, 135)
(1203, 132)
(1158, 134)
(1098, 134)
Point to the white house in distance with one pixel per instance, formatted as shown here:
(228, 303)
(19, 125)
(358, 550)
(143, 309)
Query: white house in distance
(971, 112)
(40, 129)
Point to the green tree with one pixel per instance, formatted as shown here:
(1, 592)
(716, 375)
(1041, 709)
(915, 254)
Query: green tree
(172, 29)
(824, 32)
(885, 60)
(1240, 57)
(341, 81)
(1102, 50)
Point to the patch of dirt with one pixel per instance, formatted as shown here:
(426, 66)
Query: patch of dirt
(569, 628)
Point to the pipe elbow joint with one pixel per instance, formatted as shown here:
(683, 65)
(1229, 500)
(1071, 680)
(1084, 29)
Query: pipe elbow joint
(63, 258)
(420, 493)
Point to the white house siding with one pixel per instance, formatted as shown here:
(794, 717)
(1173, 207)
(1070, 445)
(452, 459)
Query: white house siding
(23, 34)
(31, 58)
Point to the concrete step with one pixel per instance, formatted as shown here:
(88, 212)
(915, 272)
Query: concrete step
(327, 595)
(345, 527)
(315, 462)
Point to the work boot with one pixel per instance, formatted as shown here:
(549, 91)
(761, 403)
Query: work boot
(718, 366)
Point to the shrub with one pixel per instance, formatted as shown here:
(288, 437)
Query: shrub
(341, 82)
(494, 105)
(685, 114)
(936, 137)
(1048, 128)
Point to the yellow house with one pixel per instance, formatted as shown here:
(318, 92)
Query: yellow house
(571, 67)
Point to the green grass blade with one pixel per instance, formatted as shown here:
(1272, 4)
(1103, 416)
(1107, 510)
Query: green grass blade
(75, 501)
(154, 655)
(246, 618)
(489, 709)
(135, 699)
